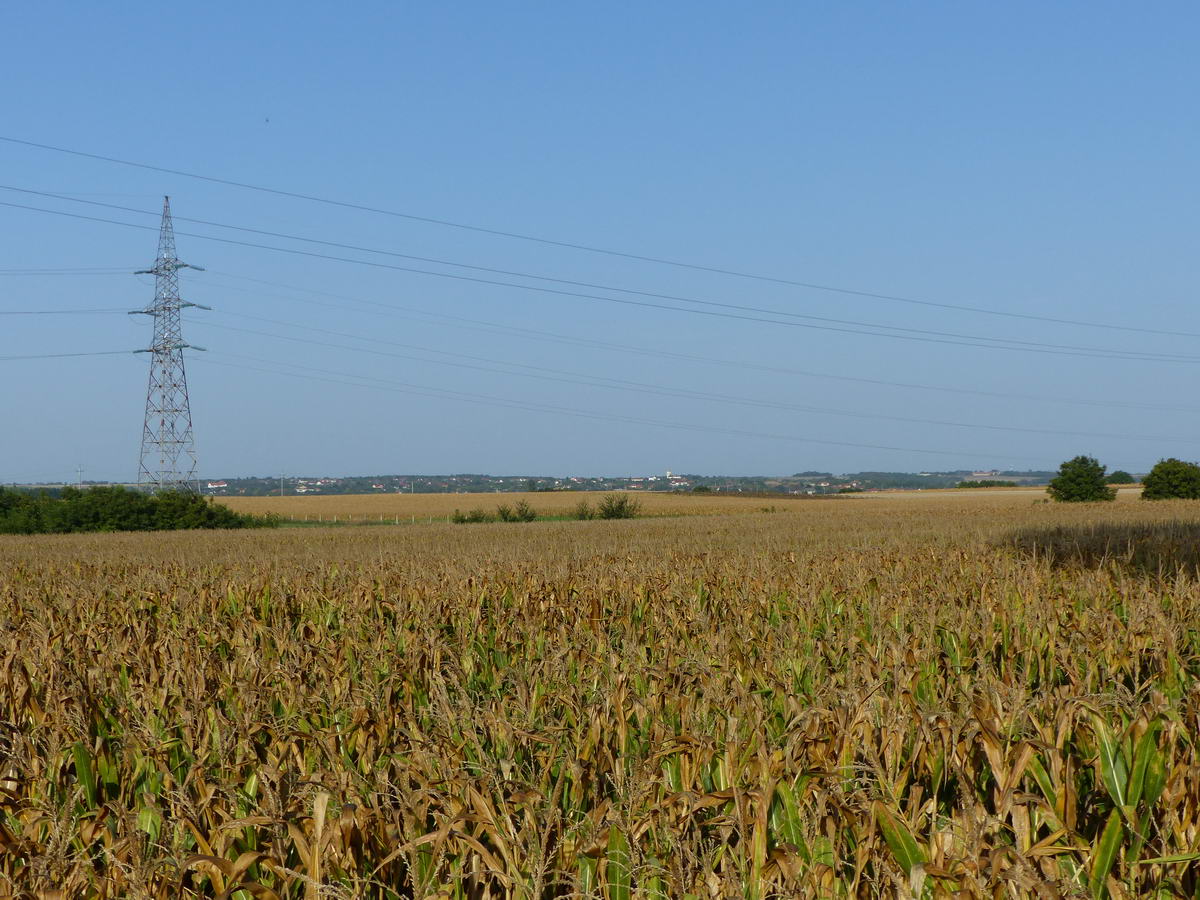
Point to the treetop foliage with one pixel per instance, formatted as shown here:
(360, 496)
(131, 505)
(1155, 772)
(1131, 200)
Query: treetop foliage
(1080, 480)
(1172, 479)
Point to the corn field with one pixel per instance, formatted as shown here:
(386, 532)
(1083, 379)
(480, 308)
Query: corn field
(888, 698)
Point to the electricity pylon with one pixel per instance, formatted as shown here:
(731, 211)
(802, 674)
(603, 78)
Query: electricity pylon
(168, 460)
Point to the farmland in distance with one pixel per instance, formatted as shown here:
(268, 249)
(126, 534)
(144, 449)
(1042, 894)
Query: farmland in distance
(858, 697)
(400, 507)
(406, 507)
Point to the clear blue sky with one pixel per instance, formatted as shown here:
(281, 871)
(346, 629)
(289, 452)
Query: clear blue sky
(1029, 158)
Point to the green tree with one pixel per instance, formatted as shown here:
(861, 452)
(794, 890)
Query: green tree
(1080, 480)
(1121, 477)
(1172, 479)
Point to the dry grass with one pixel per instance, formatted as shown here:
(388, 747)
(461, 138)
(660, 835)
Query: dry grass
(840, 699)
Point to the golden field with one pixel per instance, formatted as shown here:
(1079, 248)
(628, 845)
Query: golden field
(863, 697)
(407, 507)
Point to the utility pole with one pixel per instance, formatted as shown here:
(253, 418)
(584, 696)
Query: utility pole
(280, 485)
(79, 472)
(168, 459)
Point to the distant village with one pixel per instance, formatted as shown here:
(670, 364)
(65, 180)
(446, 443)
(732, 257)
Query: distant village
(801, 483)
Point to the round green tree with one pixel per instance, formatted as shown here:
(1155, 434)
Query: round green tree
(1121, 477)
(1080, 480)
(1172, 479)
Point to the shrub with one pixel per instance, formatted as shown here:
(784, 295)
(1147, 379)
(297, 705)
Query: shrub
(583, 511)
(471, 517)
(1080, 480)
(522, 512)
(1172, 479)
(618, 506)
(1121, 477)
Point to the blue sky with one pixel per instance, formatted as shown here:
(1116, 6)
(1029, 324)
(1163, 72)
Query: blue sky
(1026, 158)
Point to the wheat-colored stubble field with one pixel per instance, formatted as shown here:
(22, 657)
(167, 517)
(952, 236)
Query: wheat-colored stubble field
(416, 507)
(407, 507)
(866, 696)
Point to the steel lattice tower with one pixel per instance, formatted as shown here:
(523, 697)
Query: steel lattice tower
(168, 460)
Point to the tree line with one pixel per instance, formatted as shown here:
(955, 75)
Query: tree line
(115, 509)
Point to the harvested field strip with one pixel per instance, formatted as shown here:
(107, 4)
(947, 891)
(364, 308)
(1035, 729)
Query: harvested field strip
(549, 503)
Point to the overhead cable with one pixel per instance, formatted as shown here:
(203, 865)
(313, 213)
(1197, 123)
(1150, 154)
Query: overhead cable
(493, 401)
(65, 355)
(82, 270)
(488, 327)
(57, 312)
(570, 282)
(953, 339)
(558, 375)
(646, 258)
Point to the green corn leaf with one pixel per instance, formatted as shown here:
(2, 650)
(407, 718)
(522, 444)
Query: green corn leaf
(822, 852)
(1155, 779)
(618, 865)
(785, 820)
(1106, 855)
(85, 774)
(1168, 860)
(899, 839)
(1044, 782)
(1147, 749)
(1112, 764)
(673, 772)
(110, 774)
(653, 884)
(587, 875)
(150, 821)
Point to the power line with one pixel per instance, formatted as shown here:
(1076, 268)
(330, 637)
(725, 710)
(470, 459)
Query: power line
(572, 340)
(65, 355)
(56, 312)
(592, 285)
(735, 273)
(562, 376)
(492, 400)
(441, 393)
(83, 270)
(966, 341)
(941, 337)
